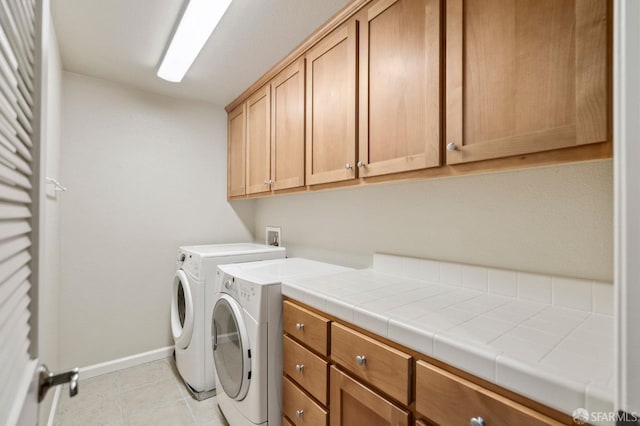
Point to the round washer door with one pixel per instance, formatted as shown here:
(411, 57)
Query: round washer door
(231, 347)
(181, 310)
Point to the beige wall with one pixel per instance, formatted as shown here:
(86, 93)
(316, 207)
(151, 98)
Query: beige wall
(554, 220)
(146, 174)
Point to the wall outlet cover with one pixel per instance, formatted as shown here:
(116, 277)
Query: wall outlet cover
(273, 235)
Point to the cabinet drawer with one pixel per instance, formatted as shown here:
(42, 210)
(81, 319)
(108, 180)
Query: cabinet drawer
(307, 369)
(307, 327)
(383, 366)
(446, 398)
(299, 408)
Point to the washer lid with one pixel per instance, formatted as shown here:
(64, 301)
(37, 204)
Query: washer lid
(218, 250)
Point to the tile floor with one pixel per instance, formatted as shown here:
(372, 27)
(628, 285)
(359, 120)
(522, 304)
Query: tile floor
(149, 394)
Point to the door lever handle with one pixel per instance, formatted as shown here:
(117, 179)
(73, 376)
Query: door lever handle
(48, 380)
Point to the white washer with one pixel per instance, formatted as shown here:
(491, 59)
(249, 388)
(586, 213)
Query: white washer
(247, 337)
(192, 306)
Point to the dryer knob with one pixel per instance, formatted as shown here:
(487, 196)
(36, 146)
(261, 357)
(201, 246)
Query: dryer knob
(182, 257)
(227, 284)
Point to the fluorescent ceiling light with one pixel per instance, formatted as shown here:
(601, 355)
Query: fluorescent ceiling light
(198, 22)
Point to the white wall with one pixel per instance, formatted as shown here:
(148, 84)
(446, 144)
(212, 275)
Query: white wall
(146, 174)
(553, 220)
(627, 155)
(49, 221)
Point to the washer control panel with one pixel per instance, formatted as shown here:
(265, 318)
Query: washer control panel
(239, 289)
(189, 262)
(245, 292)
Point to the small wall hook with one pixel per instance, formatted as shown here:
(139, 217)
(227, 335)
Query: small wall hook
(57, 185)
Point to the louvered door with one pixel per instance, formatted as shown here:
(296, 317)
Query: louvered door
(17, 68)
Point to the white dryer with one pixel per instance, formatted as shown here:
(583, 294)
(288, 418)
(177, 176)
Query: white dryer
(247, 337)
(192, 306)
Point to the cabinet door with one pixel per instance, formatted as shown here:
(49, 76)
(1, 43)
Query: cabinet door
(287, 127)
(399, 87)
(352, 403)
(236, 123)
(524, 76)
(259, 141)
(331, 107)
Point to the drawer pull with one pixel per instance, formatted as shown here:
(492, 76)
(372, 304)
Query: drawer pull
(477, 421)
(361, 359)
(299, 368)
(299, 413)
(300, 326)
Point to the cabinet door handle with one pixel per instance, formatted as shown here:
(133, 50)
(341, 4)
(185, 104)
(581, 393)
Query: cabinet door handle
(348, 166)
(452, 146)
(299, 413)
(299, 368)
(477, 421)
(300, 326)
(360, 164)
(361, 359)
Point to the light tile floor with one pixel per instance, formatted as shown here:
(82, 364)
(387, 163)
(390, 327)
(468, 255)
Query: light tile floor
(148, 394)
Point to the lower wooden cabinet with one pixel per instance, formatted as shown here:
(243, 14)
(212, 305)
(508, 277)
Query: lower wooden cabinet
(307, 369)
(353, 403)
(372, 361)
(374, 382)
(299, 408)
(307, 327)
(447, 398)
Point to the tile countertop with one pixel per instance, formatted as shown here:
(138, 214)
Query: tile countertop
(558, 356)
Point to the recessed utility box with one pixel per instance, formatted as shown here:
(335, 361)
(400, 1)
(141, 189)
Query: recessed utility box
(273, 235)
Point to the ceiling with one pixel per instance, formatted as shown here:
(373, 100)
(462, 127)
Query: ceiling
(123, 41)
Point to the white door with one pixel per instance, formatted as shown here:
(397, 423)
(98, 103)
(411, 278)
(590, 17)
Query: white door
(20, 177)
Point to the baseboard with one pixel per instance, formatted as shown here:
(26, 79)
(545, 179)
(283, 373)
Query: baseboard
(54, 406)
(126, 362)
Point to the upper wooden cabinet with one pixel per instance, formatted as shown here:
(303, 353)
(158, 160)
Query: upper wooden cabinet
(287, 127)
(331, 107)
(524, 76)
(399, 89)
(259, 141)
(236, 126)
(411, 89)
